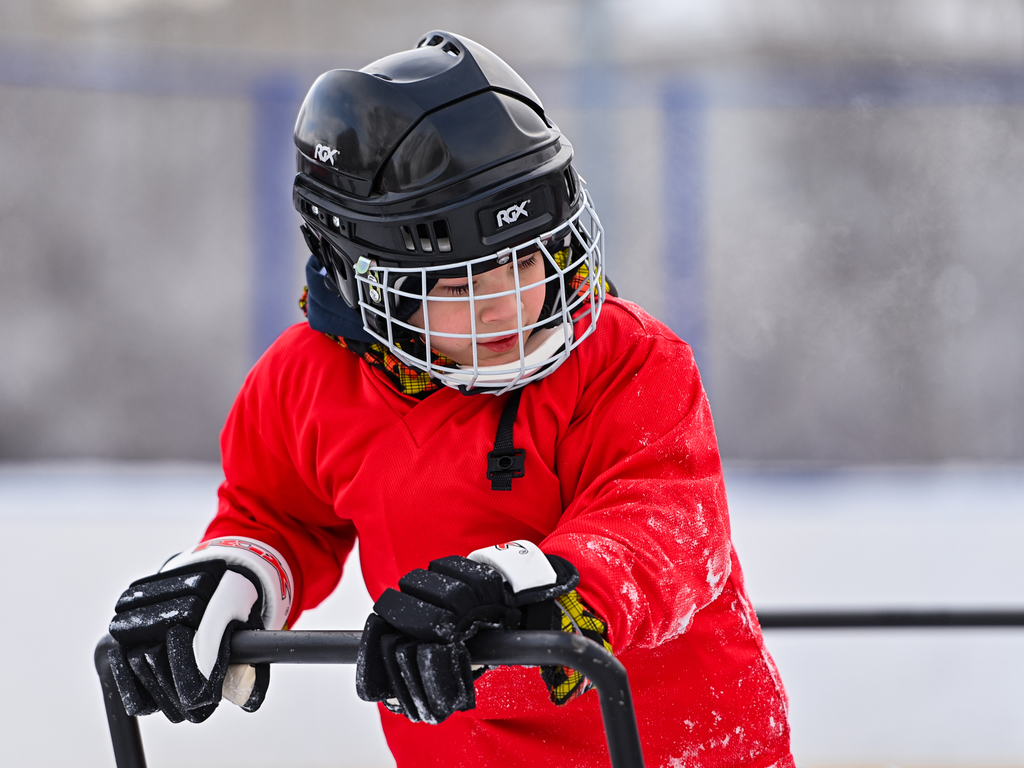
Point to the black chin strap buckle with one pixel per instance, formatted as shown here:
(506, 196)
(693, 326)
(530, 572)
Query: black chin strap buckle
(502, 467)
(506, 461)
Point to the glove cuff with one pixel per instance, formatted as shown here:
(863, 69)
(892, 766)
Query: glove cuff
(521, 564)
(256, 558)
(564, 683)
(531, 575)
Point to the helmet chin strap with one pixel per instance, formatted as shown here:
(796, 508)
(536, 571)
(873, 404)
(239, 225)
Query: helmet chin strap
(543, 345)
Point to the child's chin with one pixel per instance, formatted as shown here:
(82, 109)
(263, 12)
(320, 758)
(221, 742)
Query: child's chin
(500, 359)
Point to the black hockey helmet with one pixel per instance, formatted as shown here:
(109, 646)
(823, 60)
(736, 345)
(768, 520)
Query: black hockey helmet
(440, 162)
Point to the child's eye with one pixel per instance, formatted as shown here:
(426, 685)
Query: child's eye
(457, 290)
(529, 261)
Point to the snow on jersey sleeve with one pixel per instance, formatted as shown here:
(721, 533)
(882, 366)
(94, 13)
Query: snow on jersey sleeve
(270, 494)
(646, 520)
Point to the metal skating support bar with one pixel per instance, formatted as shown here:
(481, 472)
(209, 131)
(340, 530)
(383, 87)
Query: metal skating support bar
(341, 647)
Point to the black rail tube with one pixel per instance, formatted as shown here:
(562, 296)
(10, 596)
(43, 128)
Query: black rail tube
(601, 667)
(296, 647)
(124, 729)
(606, 672)
(341, 647)
(890, 619)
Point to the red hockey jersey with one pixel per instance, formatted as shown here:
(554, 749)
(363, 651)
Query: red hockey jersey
(623, 479)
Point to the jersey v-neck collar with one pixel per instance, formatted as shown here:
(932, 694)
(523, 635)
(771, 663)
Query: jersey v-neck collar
(424, 417)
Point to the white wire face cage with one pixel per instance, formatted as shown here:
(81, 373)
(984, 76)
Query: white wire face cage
(574, 276)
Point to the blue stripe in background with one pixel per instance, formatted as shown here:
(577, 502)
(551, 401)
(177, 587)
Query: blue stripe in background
(686, 104)
(276, 99)
(127, 69)
(685, 301)
(275, 96)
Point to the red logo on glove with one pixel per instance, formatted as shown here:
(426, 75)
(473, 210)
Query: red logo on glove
(286, 587)
(508, 544)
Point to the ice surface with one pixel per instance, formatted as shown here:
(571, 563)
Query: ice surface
(107, 525)
(858, 538)
(891, 538)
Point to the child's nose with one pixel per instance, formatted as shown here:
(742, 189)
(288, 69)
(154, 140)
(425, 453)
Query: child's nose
(499, 309)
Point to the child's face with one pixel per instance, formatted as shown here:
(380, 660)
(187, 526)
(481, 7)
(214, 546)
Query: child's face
(493, 315)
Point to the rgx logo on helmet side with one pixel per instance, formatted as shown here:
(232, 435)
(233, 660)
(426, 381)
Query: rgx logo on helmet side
(511, 214)
(325, 154)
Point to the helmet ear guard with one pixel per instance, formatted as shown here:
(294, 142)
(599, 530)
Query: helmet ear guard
(336, 271)
(339, 275)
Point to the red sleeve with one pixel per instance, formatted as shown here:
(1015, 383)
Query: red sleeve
(271, 492)
(646, 520)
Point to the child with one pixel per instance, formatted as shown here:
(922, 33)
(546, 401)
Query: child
(513, 448)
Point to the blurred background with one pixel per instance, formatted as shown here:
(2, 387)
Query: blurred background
(824, 197)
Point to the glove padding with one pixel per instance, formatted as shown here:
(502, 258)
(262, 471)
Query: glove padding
(174, 632)
(413, 654)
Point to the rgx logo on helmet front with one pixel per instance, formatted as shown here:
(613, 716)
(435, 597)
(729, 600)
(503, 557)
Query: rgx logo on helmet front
(511, 214)
(325, 154)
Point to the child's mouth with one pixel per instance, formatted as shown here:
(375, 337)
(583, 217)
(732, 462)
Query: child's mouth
(501, 344)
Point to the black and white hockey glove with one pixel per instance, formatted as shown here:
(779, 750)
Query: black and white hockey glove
(413, 654)
(174, 629)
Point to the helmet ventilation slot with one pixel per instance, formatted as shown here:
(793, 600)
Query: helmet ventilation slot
(424, 234)
(444, 242)
(407, 237)
(570, 182)
(451, 50)
(430, 237)
(328, 220)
